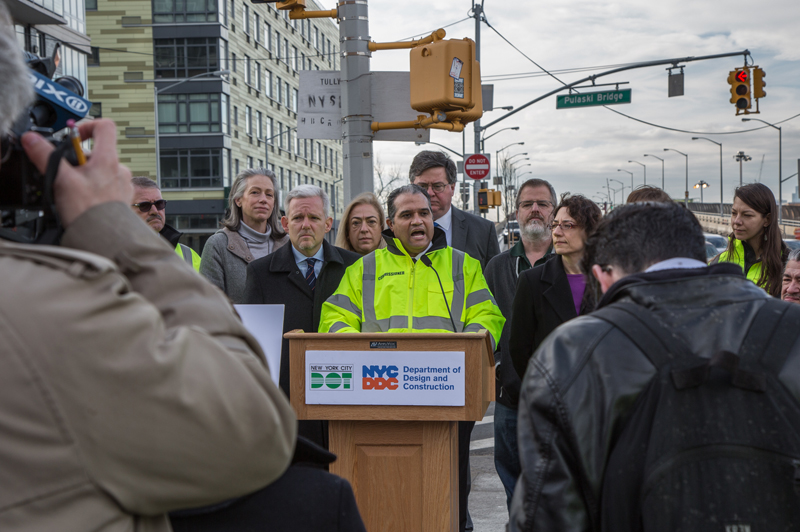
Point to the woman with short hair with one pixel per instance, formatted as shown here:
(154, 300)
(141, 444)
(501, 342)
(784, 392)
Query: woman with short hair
(362, 224)
(251, 230)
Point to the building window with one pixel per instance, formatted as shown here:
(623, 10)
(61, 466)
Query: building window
(233, 10)
(235, 115)
(91, 5)
(294, 100)
(178, 11)
(288, 93)
(237, 166)
(233, 62)
(182, 222)
(249, 162)
(316, 37)
(279, 86)
(268, 81)
(248, 120)
(247, 71)
(190, 113)
(256, 27)
(195, 168)
(278, 44)
(246, 17)
(295, 58)
(259, 125)
(258, 76)
(225, 114)
(94, 58)
(285, 50)
(280, 135)
(184, 58)
(268, 36)
(270, 130)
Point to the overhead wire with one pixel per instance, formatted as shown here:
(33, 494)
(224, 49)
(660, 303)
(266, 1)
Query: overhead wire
(548, 73)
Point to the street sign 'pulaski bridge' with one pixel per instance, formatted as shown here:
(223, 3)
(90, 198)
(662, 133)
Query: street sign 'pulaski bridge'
(589, 99)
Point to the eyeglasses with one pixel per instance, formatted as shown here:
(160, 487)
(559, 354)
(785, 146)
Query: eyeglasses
(527, 205)
(145, 206)
(566, 226)
(437, 187)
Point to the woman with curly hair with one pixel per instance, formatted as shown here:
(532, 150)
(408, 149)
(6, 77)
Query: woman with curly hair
(556, 291)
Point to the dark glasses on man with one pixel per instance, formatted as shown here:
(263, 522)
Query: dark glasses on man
(145, 206)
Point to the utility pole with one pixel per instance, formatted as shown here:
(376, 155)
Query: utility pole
(477, 13)
(356, 99)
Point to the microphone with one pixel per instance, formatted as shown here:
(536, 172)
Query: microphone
(427, 262)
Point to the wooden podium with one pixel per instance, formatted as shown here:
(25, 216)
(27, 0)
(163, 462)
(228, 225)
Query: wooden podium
(402, 461)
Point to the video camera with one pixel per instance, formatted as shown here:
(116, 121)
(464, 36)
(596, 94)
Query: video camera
(26, 195)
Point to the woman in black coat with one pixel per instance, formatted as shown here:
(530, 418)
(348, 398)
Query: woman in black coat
(556, 291)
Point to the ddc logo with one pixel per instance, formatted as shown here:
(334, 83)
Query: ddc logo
(379, 377)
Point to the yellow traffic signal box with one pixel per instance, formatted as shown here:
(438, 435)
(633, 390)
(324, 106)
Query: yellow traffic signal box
(759, 83)
(739, 81)
(446, 77)
(498, 199)
(483, 199)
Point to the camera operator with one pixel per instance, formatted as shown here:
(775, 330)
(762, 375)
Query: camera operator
(128, 386)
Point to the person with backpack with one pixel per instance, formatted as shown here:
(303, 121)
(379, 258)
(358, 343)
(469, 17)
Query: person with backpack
(675, 405)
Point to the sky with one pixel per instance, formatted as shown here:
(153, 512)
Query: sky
(578, 149)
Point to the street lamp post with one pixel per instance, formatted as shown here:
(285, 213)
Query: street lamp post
(484, 139)
(156, 92)
(686, 198)
(645, 170)
(441, 146)
(721, 195)
(780, 167)
(701, 185)
(662, 168)
(497, 153)
(621, 170)
(741, 157)
(621, 185)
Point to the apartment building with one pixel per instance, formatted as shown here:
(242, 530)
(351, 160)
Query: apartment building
(225, 74)
(41, 24)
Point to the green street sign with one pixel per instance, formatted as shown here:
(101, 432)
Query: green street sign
(589, 99)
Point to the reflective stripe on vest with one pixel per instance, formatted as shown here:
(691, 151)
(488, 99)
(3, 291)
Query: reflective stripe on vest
(371, 323)
(186, 253)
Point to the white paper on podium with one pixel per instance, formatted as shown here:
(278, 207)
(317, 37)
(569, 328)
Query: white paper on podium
(265, 322)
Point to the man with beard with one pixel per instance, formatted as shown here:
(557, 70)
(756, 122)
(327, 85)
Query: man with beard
(535, 202)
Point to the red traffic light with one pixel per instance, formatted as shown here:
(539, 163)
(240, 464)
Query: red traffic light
(742, 76)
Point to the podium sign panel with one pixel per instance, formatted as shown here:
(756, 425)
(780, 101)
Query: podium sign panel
(401, 458)
(432, 378)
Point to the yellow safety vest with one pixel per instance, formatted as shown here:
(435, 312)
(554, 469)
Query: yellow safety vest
(737, 257)
(189, 255)
(387, 291)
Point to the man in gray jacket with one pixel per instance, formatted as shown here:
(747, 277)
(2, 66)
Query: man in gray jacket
(534, 203)
(582, 383)
(128, 386)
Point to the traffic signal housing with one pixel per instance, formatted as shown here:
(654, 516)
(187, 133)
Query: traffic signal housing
(446, 77)
(759, 83)
(739, 81)
(483, 199)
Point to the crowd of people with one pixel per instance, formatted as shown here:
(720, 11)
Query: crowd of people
(133, 397)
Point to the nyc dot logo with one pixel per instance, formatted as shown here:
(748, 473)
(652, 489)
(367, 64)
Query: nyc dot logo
(379, 377)
(331, 377)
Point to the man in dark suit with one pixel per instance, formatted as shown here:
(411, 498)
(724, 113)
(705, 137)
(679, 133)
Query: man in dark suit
(301, 277)
(435, 172)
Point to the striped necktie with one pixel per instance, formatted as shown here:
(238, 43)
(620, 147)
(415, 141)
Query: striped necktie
(311, 277)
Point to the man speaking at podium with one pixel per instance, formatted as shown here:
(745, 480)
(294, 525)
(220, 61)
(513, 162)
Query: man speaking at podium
(416, 284)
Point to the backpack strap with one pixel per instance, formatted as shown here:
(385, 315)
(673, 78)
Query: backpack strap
(640, 326)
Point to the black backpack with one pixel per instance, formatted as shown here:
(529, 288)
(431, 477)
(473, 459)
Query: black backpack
(710, 445)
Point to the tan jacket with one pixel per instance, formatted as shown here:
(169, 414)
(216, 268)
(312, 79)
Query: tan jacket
(128, 386)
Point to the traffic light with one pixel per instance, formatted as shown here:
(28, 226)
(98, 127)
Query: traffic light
(465, 192)
(445, 77)
(483, 199)
(739, 81)
(498, 199)
(759, 83)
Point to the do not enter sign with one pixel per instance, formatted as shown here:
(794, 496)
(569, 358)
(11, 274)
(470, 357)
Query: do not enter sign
(476, 166)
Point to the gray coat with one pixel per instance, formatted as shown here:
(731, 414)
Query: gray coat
(225, 259)
(475, 236)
